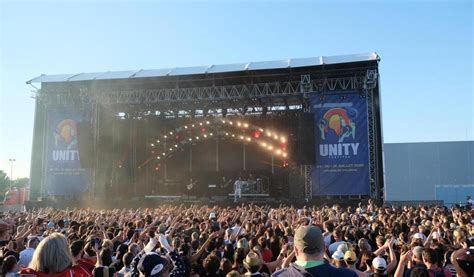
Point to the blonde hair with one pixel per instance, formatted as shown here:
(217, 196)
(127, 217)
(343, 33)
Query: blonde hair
(108, 244)
(52, 255)
(233, 273)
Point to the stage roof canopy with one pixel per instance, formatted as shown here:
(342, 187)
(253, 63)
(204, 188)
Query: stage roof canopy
(210, 69)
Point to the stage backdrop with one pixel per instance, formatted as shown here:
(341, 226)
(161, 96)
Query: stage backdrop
(342, 159)
(64, 175)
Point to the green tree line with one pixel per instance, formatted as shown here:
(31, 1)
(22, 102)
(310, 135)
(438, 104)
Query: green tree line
(5, 183)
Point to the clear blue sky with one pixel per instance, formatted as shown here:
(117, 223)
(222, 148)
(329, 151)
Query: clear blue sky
(426, 50)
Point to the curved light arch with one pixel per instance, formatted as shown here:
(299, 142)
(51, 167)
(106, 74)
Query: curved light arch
(164, 146)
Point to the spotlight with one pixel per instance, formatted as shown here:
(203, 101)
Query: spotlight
(163, 154)
(223, 121)
(197, 137)
(120, 166)
(283, 140)
(260, 129)
(157, 141)
(270, 147)
(171, 133)
(192, 125)
(158, 158)
(211, 134)
(226, 134)
(246, 125)
(269, 133)
(231, 123)
(249, 139)
(257, 134)
(171, 149)
(241, 137)
(264, 144)
(190, 139)
(200, 123)
(152, 145)
(239, 124)
(207, 122)
(205, 135)
(275, 137)
(165, 136)
(278, 152)
(175, 146)
(284, 155)
(185, 127)
(233, 135)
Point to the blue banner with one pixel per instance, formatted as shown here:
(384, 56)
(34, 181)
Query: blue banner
(64, 175)
(342, 157)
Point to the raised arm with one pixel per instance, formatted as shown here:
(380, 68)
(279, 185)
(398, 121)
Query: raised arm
(393, 257)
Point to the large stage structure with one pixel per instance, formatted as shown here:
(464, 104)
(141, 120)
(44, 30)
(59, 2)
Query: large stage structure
(298, 129)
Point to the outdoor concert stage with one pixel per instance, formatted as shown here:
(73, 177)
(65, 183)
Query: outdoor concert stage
(290, 130)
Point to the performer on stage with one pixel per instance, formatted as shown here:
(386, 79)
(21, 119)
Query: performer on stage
(238, 189)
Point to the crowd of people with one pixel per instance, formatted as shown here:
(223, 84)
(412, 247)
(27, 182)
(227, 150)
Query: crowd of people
(244, 240)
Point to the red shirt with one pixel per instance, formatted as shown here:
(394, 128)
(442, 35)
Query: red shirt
(267, 255)
(75, 271)
(87, 264)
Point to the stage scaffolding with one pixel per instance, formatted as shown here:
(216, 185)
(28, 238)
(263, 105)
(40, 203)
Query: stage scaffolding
(253, 97)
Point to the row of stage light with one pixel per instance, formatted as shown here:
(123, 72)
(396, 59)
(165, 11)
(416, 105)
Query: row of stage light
(257, 134)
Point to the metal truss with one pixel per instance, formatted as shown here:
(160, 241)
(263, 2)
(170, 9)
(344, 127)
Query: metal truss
(308, 184)
(374, 191)
(212, 93)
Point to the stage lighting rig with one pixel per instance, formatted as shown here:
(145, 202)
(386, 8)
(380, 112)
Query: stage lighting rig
(306, 86)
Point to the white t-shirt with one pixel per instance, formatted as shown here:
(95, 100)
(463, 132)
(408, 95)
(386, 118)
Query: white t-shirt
(238, 185)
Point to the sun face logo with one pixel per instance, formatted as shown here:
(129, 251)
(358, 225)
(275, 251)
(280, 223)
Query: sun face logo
(66, 133)
(339, 121)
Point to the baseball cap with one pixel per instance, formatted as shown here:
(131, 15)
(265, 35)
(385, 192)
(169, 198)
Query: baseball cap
(379, 263)
(418, 236)
(243, 243)
(350, 256)
(212, 215)
(338, 255)
(151, 264)
(435, 235)
(309, 239)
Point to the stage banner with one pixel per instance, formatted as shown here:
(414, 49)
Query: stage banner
(64, 174)
(342, 146)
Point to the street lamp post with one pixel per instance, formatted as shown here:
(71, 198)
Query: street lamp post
(11, 171)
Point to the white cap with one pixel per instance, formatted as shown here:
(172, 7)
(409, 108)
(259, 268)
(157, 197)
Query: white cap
(418, 236)
(338, 255)
(435, 235)
(452, 225)
(379, 263)
(212, 215)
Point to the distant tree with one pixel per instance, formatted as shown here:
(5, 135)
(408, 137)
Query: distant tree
(20, 183)
(4, 182)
